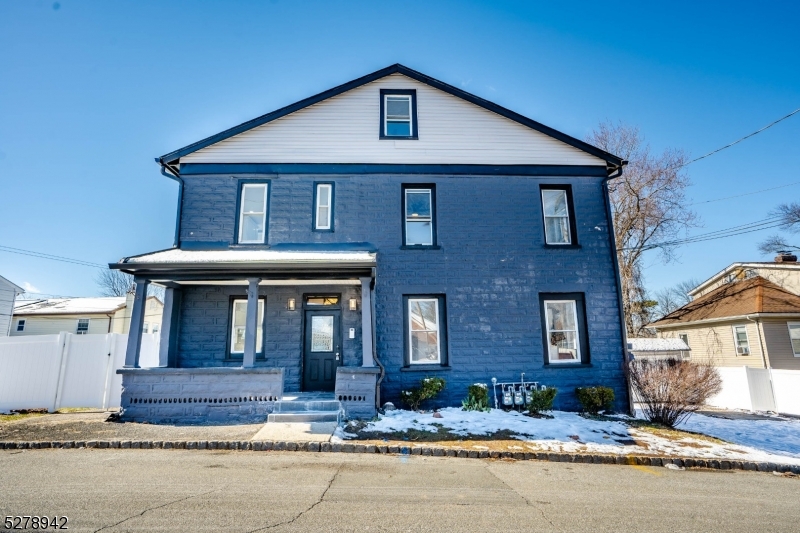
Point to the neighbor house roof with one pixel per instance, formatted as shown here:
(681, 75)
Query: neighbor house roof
(747, 297)
(772, 265)
(17, 288)
(69, 306)
(175, 155)
(657, 345)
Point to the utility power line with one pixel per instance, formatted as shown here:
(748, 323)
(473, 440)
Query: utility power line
(744, 194)
(41, 255)
(739, 140)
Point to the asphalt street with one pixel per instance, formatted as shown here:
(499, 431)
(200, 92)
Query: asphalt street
(161, 490)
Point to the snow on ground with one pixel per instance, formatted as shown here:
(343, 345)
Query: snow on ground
(570, 432)
(780, 436)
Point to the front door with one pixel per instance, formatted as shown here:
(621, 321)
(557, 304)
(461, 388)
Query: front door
(322, 349)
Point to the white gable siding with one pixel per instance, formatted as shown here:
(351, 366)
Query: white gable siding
(345, 129)
(8, 293)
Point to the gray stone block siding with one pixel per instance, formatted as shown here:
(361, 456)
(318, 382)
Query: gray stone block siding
(355, 390)
(230, 395)
(491, 267)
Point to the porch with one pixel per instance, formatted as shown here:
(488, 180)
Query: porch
(242, 329)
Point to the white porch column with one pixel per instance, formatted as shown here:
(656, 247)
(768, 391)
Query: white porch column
(168, 345)
(251, 324)
(137, 322)
(366, 323)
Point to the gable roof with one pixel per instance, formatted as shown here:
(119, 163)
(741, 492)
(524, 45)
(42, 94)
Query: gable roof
(740, 266)
(747, 297)
(175, 155)
(17, 289)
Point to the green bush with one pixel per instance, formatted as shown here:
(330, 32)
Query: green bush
(477, 398)
(595, 399)
(428, 388)
(541, 400)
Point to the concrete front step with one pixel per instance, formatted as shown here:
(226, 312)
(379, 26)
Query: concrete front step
(304, 416)
(301, 406)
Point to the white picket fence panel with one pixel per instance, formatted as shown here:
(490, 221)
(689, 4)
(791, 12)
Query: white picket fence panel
(66, 370)
(759, 389)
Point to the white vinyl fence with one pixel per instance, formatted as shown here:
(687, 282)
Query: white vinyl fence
(759, 389)
(66, 370)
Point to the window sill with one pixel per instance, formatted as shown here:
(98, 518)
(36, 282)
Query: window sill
(425, 368)
(420, 247)
(568, 365)
(562, 246)
(399, 138)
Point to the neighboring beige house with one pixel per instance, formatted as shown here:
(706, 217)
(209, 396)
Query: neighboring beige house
(784, 272)
(8, 293)
(748, 321)
(82, 315)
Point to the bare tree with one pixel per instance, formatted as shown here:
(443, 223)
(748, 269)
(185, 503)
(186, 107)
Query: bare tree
(789, 216)
(670, 390)
(117, 283)
(671, 298)
(114, 282)
(649, 208)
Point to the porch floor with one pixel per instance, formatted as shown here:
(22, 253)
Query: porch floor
(308, 396)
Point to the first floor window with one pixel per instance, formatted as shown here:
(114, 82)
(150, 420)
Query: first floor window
(556, 208)
(146, 328)
(741, 340)
(794, 337)
(563, 341)
(238, 321)
(155, 328)
(21, 324)
(323, 210)
(253, 213)
(83, 326)
(424, 330)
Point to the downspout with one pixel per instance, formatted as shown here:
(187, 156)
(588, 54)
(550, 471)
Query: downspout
(173, 175)
(375, 345)
(764, 356)
(615, 173)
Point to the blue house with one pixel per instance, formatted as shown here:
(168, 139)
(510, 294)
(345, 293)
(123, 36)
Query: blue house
(344, 247)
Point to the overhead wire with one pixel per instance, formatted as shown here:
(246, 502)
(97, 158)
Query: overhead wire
(52, 257)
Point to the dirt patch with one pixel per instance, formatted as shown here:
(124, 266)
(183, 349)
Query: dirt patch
(14, 417)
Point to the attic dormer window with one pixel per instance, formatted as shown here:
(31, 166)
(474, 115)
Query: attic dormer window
(398, 114)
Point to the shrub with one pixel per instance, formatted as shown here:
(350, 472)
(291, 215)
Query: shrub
(595, 399)
(541, 400)
(477, 398)
(428, 388)
(670, 390)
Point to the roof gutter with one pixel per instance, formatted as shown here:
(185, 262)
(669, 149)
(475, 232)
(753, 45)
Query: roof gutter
(616, 172)
(691, 323)
(174, 174)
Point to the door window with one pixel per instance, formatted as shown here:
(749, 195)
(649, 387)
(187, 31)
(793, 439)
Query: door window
(322, 334)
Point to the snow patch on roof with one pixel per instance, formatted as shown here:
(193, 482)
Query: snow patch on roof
(657, 345)
(64, 306)
(177, 255)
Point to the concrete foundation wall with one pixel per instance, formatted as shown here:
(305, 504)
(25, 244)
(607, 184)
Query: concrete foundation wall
(170, 395)
(355, 389)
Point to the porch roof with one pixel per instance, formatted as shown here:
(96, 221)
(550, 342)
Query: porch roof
(245, 262)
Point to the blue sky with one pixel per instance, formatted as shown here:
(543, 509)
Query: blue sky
(91, 92)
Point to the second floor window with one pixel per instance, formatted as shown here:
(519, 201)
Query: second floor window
(83, 326)
(559, 224)
(741, 340)
(419, 204)
(323, 207)
(21, 325)
(253, 213)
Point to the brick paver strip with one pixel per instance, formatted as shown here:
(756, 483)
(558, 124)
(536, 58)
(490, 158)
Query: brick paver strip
(435, 451)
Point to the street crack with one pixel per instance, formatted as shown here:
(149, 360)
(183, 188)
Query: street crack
(158, 507)
(524, 498)
(301, 513)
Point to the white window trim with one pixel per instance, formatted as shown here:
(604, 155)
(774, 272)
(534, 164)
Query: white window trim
(78, 326)
(263, 213)
(386, 114)
(577, 333)
(408, 218)
(21, 322)
(327, 224)
(258, 324)
(736, 340)
(546, 216)
(789, 329)
(438, 330)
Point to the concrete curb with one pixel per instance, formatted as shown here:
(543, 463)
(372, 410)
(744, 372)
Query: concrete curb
(435, 451)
